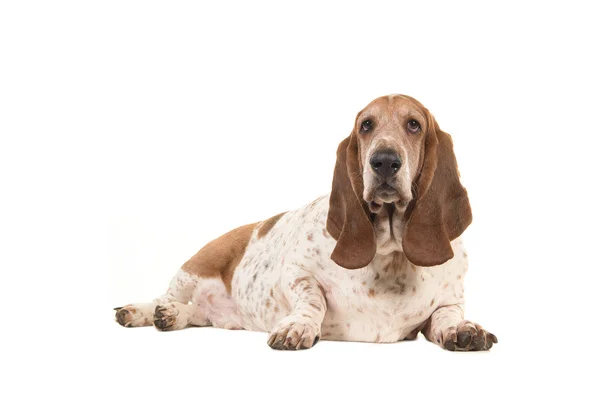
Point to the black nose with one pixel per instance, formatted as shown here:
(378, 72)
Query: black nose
(386, 163)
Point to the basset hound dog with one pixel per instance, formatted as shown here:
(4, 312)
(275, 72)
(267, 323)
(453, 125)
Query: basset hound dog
(379, 259)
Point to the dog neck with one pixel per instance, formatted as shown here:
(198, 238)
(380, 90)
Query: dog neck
(389, 226)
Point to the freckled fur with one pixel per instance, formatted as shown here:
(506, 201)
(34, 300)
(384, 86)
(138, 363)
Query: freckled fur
(266, 225)
(277, 276)
(359, 295)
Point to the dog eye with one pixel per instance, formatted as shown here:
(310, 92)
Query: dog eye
(366, 126)
(413, 126)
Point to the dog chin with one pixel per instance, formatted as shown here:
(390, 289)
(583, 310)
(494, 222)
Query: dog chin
(377, 200)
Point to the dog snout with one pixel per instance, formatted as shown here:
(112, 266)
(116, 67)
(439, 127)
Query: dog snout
(385, 163)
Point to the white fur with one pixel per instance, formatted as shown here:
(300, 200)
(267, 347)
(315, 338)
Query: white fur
(389, 314)
(287, 284)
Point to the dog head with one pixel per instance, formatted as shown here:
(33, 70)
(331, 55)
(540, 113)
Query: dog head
(397, 155)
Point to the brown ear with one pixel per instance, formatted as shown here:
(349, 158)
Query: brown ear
(441, 211)
(347, 220)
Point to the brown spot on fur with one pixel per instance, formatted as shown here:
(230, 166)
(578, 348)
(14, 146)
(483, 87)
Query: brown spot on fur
(371, 292)
(364, 283)
(377, 276)
(220, 257)
(459, 277)
(271, 292)
(432, 301)
(309, 237)
(276, 309)
(414, 290)
(401, 286)
(267, 224)
(299, 281)
(268, 303)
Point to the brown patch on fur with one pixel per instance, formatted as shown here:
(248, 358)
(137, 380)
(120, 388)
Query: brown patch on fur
(348, 219)
(440, 211)
(220, 257)
(371, 292)
(267, 224)
(432, 301)
(309, 237)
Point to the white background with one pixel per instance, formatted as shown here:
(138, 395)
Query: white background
(134, 132)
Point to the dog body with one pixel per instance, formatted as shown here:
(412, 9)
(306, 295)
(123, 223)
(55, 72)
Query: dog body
(378, 260)
(387, 301)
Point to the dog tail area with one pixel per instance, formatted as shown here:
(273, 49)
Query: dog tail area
(180, 291)
(205, 280)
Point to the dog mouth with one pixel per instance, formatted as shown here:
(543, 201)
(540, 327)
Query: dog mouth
(384, 194)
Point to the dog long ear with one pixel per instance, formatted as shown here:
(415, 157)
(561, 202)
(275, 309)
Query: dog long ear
(441, 210)
(348, 221)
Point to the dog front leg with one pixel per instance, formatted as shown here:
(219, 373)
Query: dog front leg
(301, 329)
(448, 328)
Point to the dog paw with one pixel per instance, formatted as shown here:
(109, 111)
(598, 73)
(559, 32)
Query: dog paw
(292, 335)
(133, 315)
(167, 317)
(467, 336)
